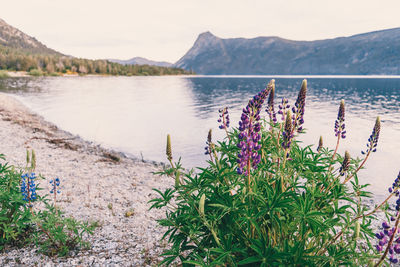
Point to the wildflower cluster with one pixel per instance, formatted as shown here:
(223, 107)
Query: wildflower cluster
(292, 210)
(374, 137)
(249, 127)
(339, 122)
(28, 187)
(224, 118)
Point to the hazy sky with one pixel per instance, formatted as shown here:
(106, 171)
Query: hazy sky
(166, 29)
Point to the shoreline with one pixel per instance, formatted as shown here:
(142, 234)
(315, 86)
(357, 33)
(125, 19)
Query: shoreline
(92, 178)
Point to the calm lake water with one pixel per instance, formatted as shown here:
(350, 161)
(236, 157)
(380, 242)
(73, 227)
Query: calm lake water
(134, 114)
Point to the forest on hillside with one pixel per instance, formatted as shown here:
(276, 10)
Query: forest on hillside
(13, 59)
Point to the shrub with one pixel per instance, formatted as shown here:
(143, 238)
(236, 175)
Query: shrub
(4, 74)
(21, 223)
(266, 200)
(35, 72)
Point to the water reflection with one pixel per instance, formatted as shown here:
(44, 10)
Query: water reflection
(134, 114)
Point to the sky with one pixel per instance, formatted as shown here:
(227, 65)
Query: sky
(164, 30)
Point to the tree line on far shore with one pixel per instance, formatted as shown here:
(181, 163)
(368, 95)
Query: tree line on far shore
(56, 64)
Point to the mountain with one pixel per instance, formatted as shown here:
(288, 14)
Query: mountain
(13, 38)
(21, 52)
(375, 52)
(141, 61)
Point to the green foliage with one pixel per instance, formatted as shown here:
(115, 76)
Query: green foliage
(15, 217)
(293, 210)
(52, 63)
(21, 223)
(59, 234)
(4, 74)
(36, 72)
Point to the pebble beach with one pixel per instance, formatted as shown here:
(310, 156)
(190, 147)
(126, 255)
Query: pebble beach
(97, 185)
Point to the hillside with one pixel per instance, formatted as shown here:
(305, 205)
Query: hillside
(13, 38)
(369, 53)
(21, 52)
(141, 61)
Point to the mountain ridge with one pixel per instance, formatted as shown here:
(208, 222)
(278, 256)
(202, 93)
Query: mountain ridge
(14, 38)
(141, 61)
(376, 52)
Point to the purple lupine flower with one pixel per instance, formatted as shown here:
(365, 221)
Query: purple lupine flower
(396, 185)
(270, 109)
(298, 109)
(287, 134)
(384, 238)
(28, 187)
(345, 164)
(224, 118)
(320, 143)
(283, 107)
(374, 137)
(340, 131)
(249, 127)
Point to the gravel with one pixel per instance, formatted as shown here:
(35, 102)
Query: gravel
(97, 185)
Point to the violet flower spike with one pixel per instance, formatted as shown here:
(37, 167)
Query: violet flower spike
(298, 109)
(28, 187)
(287, 134)
(270, 108)
(339, 123)
(283, 107)
(249, 136)
(207, 148)
(345, 164)
(373, 138)
(224, 118)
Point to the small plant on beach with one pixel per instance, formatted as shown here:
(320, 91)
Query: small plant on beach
(4, 74)
(27, 217)
(266, 200)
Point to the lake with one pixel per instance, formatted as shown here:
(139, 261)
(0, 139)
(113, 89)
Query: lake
(134, 114)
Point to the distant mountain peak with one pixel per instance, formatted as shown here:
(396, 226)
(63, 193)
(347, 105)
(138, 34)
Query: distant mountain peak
(367, 53)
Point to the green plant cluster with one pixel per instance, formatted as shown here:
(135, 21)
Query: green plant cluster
(301, 206)
(24, 222)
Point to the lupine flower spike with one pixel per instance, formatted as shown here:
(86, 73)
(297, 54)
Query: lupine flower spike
(270, 108)
(224, 120)
(28, 188)
(320, 144)
(208, 148)
(345, 164)
(55, 183)
(169, 150)
(283, 107)
(298, 109)
(287, 134)
(340, 131)
(249, 127)
(371, 145)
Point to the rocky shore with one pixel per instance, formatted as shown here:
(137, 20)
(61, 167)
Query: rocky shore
(97, 185)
